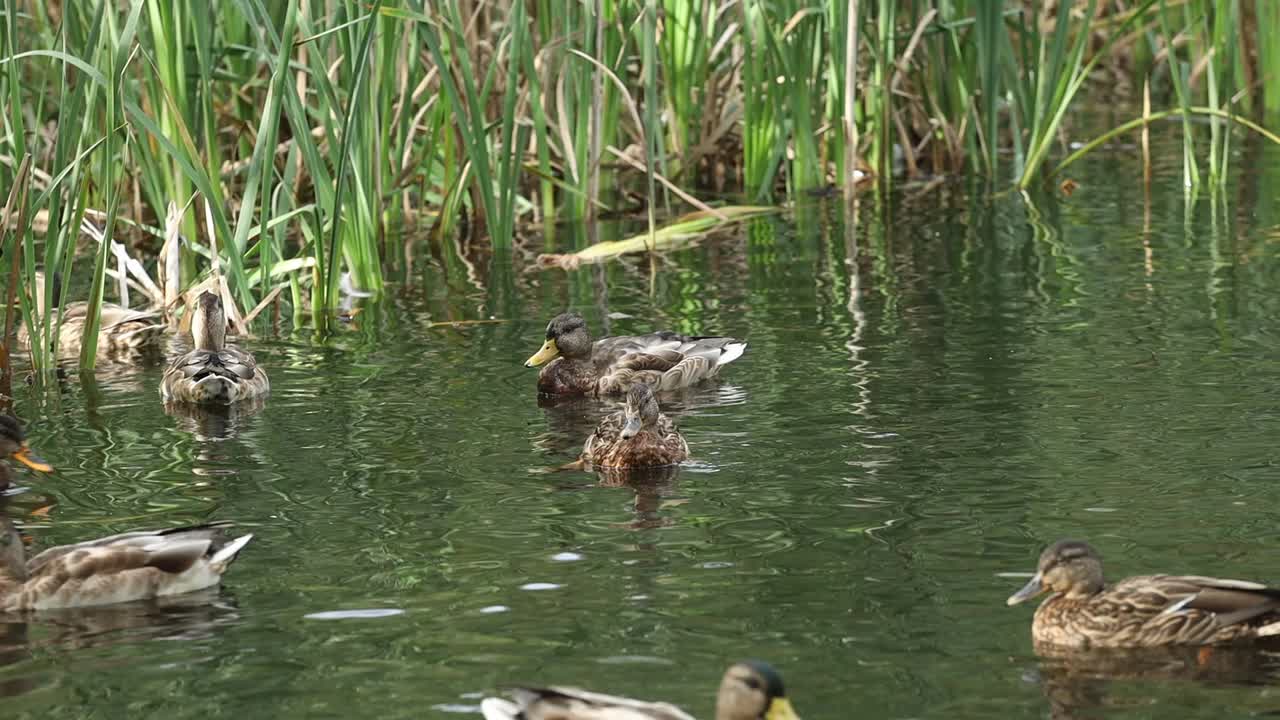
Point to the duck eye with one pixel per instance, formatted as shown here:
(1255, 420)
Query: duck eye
(753, 683)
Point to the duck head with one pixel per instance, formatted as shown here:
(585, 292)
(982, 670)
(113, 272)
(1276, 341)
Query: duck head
(753, 690)
(567, 336)
(641, 410)
(1068, 567)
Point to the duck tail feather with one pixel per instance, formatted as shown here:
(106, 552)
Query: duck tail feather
(177, 556)
(732, 352)
(499, 709)
(227, 553)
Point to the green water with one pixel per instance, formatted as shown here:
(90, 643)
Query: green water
(928, 397)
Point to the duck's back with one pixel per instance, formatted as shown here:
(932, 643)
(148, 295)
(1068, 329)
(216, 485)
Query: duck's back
(665, 360)
(662, 446)
(1156, 610)
(565, 703)
(124, 568)
(214, 376)
(121, 329)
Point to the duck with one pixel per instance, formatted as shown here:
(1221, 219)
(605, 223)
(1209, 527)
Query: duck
(120, 568)
(750, 690)
(1084, 612)
(637, 436)
(121, 331)
(213, 372)
(13, 444)
(575, 365)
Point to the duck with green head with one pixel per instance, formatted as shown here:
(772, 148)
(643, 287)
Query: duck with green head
(213, 372)
(1083, 611)
(750, 690)
(577, 365)
(637, 436)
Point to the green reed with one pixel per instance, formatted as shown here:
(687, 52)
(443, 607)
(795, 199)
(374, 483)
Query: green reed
(1268, 15)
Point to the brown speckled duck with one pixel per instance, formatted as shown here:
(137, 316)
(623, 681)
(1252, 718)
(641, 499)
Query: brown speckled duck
(637, 436)
(1145, 611)
(213, 372)
(665, 360)
(13, 444)
(121, 330)
(115, 569)
(750, 690)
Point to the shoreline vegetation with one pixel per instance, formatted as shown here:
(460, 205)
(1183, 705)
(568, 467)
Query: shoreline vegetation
(276, 147)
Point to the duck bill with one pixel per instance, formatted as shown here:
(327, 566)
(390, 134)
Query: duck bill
(632, 427)
(548, 353)
(780, 709)
(26, 457)
(1034, 587)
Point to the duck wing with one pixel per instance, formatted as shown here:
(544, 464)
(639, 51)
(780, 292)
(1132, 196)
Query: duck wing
(115, 315)
(1233, 601)
(671, 437)
(665, 360)
(1194, 609)
(563, 703)
(124, 568)
(238, 362)
(211, 532)
(230, 363)
(606, 433)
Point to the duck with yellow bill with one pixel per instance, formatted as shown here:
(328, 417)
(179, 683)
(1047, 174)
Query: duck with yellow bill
(665, 360)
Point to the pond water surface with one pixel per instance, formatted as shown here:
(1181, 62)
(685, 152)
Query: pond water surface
(928, 398)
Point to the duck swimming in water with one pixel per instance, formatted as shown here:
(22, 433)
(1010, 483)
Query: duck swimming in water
(1083, 611)
(666, 360)
(750, 690)
(213, 372)
(637, 436)
(114, 569)
(121, 330)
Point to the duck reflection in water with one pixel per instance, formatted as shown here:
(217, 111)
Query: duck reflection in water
(193, 616)
(214, 422)
(569, 419)
(654, 489)
(1087, 683)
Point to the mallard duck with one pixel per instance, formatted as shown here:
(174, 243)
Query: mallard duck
(213, 372)
(120, 329)
(636, 436)
(1145, 611)
(13, 444)
(119, 568)
(665, 360)
(750, 690)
